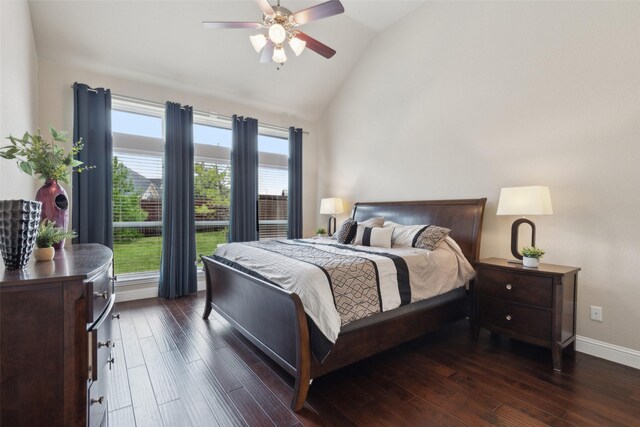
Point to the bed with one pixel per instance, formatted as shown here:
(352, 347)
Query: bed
(275, 320)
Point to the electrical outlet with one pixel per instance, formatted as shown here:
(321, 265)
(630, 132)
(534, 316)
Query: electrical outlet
(596, 313)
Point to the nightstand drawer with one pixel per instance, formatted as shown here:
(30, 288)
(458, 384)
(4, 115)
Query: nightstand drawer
(528, 321)
(517, 287)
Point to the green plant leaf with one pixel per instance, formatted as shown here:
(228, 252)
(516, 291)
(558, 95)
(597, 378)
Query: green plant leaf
(26, 167)
(75, 163)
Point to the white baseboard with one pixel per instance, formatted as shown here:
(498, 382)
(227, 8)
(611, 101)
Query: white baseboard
(614, 353)
(148, 290)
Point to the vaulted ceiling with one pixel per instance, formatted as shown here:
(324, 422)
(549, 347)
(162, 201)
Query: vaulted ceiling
(165, 40)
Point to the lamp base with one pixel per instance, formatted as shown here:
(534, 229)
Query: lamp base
(514, 261)
(514, 237)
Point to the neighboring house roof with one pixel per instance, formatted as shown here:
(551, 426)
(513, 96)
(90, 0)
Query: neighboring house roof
(149, 188)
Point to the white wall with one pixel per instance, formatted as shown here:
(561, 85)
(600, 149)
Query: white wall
(56, 108)
(461, 99)
(18, 92)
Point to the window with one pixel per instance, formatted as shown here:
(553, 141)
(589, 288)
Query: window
(273, 186)
(212, 185)
(138, 151)
(138, 148)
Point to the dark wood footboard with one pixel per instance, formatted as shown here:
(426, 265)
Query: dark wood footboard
(268, 316)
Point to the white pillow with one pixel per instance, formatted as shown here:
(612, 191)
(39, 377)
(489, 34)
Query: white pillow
(416, 236)
(373, 222)
(374, 236)
(404, 236)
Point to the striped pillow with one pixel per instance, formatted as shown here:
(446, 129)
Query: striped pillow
(374, 236)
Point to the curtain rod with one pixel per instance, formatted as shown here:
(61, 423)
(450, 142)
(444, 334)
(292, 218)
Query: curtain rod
(201, 113)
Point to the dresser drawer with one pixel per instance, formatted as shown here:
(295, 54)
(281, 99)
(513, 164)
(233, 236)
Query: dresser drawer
(97, 400)
(516, 287)
(528, 321)
(101, 342)
(99, 290)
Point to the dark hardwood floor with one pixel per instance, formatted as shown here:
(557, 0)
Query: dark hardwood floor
(175, 369)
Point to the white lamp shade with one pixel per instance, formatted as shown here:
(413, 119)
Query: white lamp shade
(277, 33)
(534, 200)
(297, 45)
(258, 41)
(331, 206)
(279, 56)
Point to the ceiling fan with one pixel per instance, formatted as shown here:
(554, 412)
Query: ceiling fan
(281, 25)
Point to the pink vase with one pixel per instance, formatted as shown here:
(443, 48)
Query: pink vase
(55, 205)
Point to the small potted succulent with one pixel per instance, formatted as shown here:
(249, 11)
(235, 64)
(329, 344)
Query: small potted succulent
(48, 235)
(531, 256)
(321, 232)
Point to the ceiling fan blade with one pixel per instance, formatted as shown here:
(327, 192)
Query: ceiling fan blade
(315, 45)
(319, 11)
(267, 52)
(265, 7)
(223, 25)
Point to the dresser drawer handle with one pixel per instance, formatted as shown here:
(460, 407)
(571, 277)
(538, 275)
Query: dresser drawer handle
(115, 316)
(509, 286)
(103, 295)
(106, 344)
(99, 400)
(508, 317)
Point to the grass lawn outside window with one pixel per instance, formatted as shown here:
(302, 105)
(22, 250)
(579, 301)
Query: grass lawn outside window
(142, 254)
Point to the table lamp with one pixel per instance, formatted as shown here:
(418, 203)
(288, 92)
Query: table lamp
(331, 206)
(534, 200)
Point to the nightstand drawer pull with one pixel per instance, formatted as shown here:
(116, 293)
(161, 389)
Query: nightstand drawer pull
(509, 286)
(508, 317)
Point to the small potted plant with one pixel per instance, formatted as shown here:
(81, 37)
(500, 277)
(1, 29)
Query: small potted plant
(321, 232)
(531, 256)
(48, 235)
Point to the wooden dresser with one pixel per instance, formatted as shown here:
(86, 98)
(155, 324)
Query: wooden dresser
(55, 339)
(536, 305)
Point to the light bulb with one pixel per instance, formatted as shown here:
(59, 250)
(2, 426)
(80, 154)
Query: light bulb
(258, 41)
(297, 45)
(277, 33)
(279, 56)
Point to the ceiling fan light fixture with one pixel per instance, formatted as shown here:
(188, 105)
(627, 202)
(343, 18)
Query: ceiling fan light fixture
(258, 41)
(297, 45)
(277, 33)
(279, 56)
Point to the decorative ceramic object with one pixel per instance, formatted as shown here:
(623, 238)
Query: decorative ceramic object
(530, 262)
(55, 205)
(44, 254)
(19, 221)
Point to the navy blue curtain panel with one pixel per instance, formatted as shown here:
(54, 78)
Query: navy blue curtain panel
(178, 261)
(243, 221)
(294, 230)
(91, 206)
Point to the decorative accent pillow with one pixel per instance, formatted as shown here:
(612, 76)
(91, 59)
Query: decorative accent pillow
(346, 232)
(431, 237)
(416, 236)
(374, 236)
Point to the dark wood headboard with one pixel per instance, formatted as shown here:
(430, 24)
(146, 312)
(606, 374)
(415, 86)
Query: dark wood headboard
(463, 217)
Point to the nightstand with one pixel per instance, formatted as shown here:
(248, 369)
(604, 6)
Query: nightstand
(536, 305)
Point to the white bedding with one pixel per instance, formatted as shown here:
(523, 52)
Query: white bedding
(431, 273)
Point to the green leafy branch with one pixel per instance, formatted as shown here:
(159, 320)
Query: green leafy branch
(48, 160)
